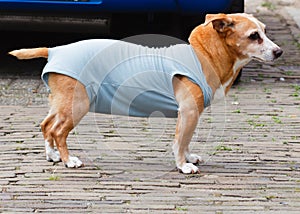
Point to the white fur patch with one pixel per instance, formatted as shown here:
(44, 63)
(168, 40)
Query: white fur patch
(175, 151)
(189, 168)
(193, 158)
(239, 64)
(220, 92)
(51, 154)
(73, 162)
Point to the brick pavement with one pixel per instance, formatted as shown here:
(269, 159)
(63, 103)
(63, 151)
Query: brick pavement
(250, 142)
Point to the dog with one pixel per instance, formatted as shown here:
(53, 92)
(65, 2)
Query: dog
(212, 60)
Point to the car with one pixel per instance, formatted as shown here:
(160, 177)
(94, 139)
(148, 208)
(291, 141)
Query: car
(114, 18)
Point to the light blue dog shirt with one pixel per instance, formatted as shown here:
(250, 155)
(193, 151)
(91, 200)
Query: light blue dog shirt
(128, 79)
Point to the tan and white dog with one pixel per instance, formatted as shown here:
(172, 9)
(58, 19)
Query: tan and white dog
(223, 45)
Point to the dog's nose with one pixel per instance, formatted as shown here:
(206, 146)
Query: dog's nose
(277, 52)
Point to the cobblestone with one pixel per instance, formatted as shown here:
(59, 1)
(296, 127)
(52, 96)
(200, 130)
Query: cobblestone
(250, 143)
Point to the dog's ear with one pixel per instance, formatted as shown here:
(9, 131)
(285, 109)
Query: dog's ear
(221, 22)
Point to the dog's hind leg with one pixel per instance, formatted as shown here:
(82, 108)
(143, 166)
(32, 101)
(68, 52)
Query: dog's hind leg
(51, 154)
(60, 130)
(69, 103)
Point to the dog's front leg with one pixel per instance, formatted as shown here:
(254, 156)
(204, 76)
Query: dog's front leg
(186, 124)
(190, 100)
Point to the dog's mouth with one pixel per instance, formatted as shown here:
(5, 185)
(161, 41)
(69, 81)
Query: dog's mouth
(263, 59)
(260, 59)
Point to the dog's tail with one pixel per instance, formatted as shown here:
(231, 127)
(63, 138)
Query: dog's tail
(30, 53)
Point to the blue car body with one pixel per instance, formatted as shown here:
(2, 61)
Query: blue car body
(111, 17)
(177, 6)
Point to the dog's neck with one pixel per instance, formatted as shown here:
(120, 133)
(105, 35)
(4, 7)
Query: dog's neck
(220, 64)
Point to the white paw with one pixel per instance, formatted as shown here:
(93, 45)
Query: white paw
(193, 158)
(73, 162)
(53, 156)
(189, 168)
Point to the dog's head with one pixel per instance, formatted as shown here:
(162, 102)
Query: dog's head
(245, 35)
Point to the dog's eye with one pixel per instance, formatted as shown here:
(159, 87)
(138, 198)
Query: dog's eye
(254, 36)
